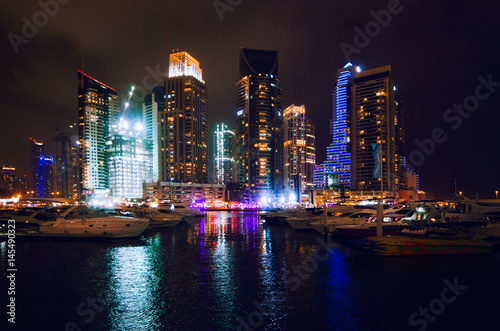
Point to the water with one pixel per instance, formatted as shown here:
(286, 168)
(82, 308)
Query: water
(229, 271)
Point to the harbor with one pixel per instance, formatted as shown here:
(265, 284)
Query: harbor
(233, 271)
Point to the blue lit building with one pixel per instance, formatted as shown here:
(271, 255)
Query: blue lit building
(41, 171)
(337, 167)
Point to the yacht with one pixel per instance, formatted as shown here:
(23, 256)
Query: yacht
(350, 219)
(302, 220)
(392, 224)
(158, 218)
(82, 221)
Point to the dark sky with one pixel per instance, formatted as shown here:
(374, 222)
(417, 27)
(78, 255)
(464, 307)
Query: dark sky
(437, 50)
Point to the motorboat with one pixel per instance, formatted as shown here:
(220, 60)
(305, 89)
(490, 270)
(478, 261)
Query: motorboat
(82, 221)
(279, 215)
(392, 224)
(355, 218)
(158, 218)
(410, 246)
(303, 220)
(183, 207)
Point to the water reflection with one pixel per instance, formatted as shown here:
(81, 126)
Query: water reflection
(135, 299)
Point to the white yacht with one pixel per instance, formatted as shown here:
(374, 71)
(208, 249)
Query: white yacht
(302, 220)
(159, 218)
(356, 217)
(82, 221)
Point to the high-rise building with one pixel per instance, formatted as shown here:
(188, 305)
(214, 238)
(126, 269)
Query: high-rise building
(310, 164)
(366, 153)
(259, 155)
(41, 171)
(129, 161)
(336, 170)
(373, 127)
(298, 149)
(184, 123)
(152, 107)
(97, 109)
(8, 180)
(224, 165)
(66, 166)
(37, 168)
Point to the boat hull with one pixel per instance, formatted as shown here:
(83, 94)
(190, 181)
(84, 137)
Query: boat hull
(407, 246)
(357, 232)
(95, 228)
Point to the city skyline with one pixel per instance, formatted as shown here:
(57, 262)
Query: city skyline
(437, 66)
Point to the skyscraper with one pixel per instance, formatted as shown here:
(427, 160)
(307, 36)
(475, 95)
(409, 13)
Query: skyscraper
(373, 128)
(66, 166)
(367, 130)
(298, 149)
(8, 181)
(128, 160)
(37, 165)
(152, 107)
(97, 109)
(184, 123)
(41, 171)
(259, 156)
(224, 159)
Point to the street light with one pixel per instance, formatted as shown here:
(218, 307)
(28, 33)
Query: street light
(496, 193)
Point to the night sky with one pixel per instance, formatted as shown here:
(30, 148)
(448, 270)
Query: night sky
(437, 50)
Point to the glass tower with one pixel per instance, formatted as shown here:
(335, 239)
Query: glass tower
(97, 108)
(223, 160)
(259, 155)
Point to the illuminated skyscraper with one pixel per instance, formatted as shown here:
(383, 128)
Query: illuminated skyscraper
(66, 166)
(223, 159)
(298, 149)
(129, 160)
(184, 123)
(153, 106)
(41, 171)
(259, 156)
(367, 131)
(9, 181)
(373, 127)
(336, 170)
(97, 108)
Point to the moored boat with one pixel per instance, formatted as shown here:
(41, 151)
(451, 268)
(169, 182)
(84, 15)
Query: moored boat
(408, 246)
(81, 221)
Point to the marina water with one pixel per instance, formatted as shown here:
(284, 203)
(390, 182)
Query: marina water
(231, 271)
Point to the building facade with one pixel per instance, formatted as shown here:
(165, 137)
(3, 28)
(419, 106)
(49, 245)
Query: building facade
(298, 150)
(9, 181)
(224, 165)
(259, 153)
(184, 123)
(128, 161)
(162, 191)
(373, 128)
(37, 181)
(152, 107)
(66, 166)
(97, 109)
(366, 153)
